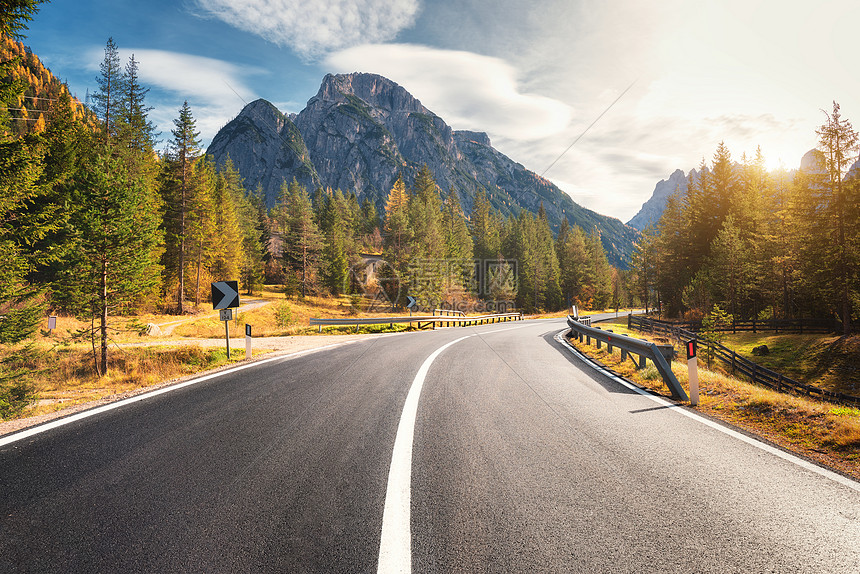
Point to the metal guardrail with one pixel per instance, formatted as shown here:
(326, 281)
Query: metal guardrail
(660, 355)
(430, 320)
(448, 312)
(738, 364)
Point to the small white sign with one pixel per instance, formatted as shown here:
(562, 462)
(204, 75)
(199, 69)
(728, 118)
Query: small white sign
(226, 314)
(52, 323)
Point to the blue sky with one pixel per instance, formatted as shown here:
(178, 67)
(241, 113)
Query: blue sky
(532, 74)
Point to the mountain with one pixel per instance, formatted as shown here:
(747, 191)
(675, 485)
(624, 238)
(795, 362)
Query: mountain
(360, 131)
(653, 208)
(42, 89)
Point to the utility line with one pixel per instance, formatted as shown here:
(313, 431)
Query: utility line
(588, 128)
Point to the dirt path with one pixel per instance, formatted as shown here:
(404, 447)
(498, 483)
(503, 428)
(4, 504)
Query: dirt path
(168, 327)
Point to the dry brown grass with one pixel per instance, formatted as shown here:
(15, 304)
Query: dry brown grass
(64, 376)
(822, 431)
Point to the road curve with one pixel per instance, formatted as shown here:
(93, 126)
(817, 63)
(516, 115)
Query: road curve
(523, 460)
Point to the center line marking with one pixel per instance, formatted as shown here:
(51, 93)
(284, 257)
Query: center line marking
(395, 547)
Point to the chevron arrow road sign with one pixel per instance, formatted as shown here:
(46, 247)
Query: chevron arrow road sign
(225, 294)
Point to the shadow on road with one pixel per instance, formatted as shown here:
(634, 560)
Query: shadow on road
(608, 385)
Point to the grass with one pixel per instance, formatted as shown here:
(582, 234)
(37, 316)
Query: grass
(820, 430)
(64, 376)
(827, 361)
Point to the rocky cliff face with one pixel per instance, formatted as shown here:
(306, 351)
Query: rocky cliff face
(265, 147)
(653, 208)
(360, 131)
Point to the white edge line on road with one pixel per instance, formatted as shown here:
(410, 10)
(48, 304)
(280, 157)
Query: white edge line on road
(395, 546)
(32, 431)
(836, 477)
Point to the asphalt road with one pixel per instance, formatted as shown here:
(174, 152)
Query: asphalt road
(522, 460)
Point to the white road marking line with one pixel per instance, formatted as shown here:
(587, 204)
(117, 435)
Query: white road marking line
(836, 477)
(395, 547)
(505, 329)
(32, 431)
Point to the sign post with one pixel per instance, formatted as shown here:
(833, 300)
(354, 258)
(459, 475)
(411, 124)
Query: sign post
(227, 316)
(693, 369)
(225, 298)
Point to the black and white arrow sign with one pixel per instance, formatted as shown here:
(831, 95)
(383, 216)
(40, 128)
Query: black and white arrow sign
(412, 301)
(225, 294)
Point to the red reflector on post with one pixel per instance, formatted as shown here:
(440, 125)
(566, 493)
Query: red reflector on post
(691, 349)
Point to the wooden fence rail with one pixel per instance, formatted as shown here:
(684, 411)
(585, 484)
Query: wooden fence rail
(736, 363)
(777, 325)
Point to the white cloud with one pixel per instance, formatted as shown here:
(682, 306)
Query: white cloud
(467, 90)
(215, 89)
(314, 27)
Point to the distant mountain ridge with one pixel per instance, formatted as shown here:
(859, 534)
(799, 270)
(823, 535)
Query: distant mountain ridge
(360, 131)
(653, 208)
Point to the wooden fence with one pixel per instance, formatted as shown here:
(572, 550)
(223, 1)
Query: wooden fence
(777, 325)
(736, 363)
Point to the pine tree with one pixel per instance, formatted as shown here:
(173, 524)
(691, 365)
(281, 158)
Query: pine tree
(178, 192)
(398, 233)
(575, 266)
(115, 233)
(14, 15)
(839, 143)
(136, 133)
(303, 242)
(21, 169)
(211, 229)
(107, 101)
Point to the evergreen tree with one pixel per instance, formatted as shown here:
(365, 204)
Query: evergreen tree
(302, 239)
(398, 233)
(429, 269)
(136, 132)
(212, 230)
(576, 266)
(839, 143)
(601, 272)
(107, 101)
(178, 192)
(116, 231)
(21, 169)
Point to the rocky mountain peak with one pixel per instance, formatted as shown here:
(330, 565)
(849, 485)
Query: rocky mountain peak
(813, 162)
(375, 90)
(360, 132)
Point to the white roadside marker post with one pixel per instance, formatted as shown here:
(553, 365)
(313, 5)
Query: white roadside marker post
(247, 341)
(693, 368)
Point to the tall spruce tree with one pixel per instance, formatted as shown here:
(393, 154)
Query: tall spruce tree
(116, 232)
(839, 143)
(21, 169)
(178, 192)
(107, 100)
(302, 239)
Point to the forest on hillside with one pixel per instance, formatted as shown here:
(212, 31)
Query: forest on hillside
(749, 244)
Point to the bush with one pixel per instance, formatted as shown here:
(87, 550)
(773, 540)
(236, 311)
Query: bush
(283, 314)
(15, 397)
